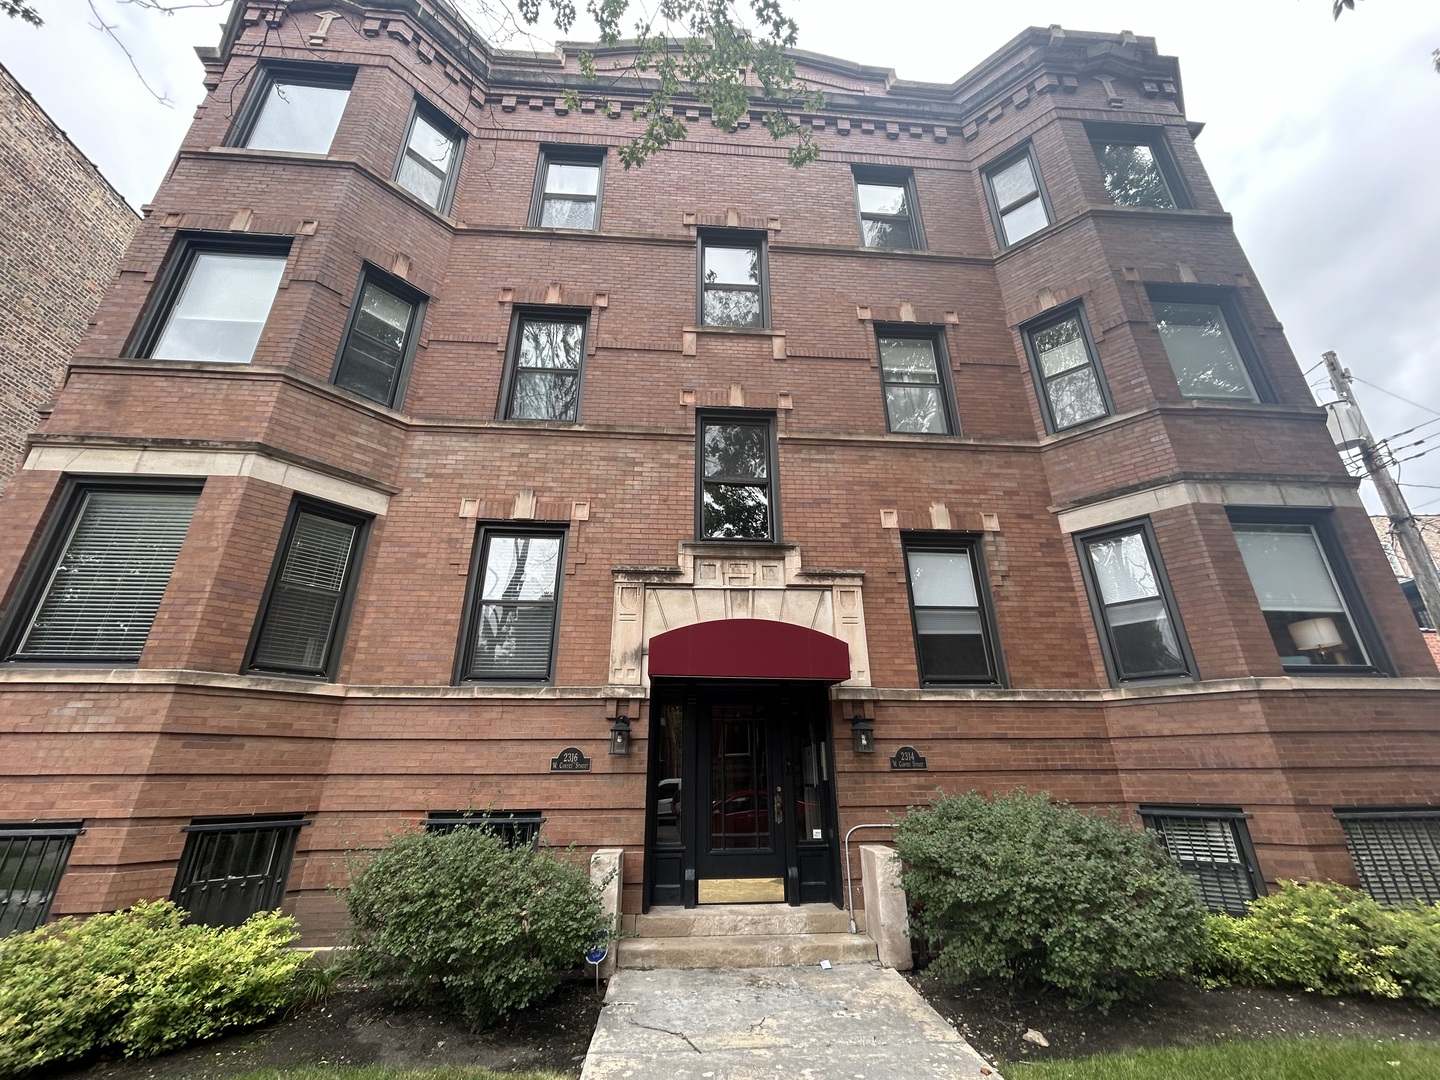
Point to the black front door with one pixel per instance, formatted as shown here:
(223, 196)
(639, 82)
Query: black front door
(741, 805)
(742, 837)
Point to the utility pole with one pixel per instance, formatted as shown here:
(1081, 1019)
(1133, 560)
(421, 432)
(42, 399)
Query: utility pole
(1402, 522)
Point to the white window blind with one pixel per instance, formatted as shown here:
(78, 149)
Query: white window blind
(516, 621)
(106, 586)
(1287, 569)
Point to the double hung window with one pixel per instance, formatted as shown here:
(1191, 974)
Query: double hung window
(733, 286)
(295, 108)
(1017, 200)
(430, 158)
(1133, 607)
(1136, 166)
(1067, 377)
(914, 372)
(889, 215)
(1212, 846)
(214, 300)
(515, 598)
(33, 855)
(735, 466)
(233, 867)
(311, 585)
(1210, 359)
(567, 190)
(1396, 851)
(379, 338)
(1303, 603)
(547, 351)
(953, 633)
(100, 585)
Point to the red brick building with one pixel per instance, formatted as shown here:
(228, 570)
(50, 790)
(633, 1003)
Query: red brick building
(65, 229)
(423, 458)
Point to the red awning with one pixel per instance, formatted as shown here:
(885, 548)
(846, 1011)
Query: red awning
(749, 649)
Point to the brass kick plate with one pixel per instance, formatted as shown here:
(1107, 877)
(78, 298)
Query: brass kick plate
(760, 890)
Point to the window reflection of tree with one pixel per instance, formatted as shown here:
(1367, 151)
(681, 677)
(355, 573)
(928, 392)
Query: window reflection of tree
(517, 617)
(547, 383)
(735, 492)
(1132, 176)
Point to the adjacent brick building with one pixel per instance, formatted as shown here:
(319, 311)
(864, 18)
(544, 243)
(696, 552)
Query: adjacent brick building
(65, 229)
(423, 461)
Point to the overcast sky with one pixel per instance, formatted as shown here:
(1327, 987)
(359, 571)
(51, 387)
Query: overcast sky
(1322, 138)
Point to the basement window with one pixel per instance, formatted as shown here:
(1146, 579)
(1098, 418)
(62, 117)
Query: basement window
(1396, 852)
(1211, 844)
(233, 867)
(33, 855)
(517, 828)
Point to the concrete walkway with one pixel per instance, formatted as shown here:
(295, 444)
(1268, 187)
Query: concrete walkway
(854, 1021)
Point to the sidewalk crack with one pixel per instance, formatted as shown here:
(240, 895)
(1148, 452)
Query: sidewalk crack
(667, 1031)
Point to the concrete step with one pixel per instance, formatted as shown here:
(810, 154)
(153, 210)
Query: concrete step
(720, 920)
(745, 951)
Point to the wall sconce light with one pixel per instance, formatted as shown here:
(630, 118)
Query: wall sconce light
(864, 732)
(620, 736)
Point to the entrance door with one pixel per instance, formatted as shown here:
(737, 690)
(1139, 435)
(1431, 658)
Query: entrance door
(741, 805)
(741, 854)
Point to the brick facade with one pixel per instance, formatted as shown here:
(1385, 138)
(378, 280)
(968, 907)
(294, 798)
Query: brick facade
(65, 229)
(139, 751)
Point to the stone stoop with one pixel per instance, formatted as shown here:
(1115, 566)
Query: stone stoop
(743, 936)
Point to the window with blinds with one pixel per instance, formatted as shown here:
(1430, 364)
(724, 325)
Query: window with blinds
(1396, 852)
(512, 634)
(1212, 847)
(104, 585)
(1304, 610)
(300, 622)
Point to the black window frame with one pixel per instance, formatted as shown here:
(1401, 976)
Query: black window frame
(1384, 883)
(442, 123)
(997, 212)
(518, 318)
(1037, 373)
(1153, 137)
(515, 828)
(1228, 303)
(371, 274)
(474, 603)
(973, 546)
(291, 72)
(34, 581)
(562, 154)
(1104, 631)
(184, 252)
(326, 670)
(936, 336)
(56, 840)
(1352, 598)
(732, 238)
(752, 417)
(1153, 816)
(889, 176)
(204, 834)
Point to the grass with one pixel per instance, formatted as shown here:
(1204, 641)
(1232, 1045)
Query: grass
(1273, 1059)
(387, 1072)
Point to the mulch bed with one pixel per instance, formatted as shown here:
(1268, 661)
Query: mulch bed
(353, 1027)
(995, 1017)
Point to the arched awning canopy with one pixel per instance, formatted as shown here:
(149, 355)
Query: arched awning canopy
(749, 649)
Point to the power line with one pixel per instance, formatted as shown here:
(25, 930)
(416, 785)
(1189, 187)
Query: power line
(1408, 430)
(1396, 396)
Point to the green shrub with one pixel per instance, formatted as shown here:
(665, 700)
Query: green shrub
(1329, 939)
(1024, 889)
(461, 921)
(137, 981)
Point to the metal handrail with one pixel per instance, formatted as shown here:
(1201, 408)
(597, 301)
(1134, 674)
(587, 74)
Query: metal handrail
(849, 887)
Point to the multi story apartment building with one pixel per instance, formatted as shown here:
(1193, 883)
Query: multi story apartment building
(424, 462)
